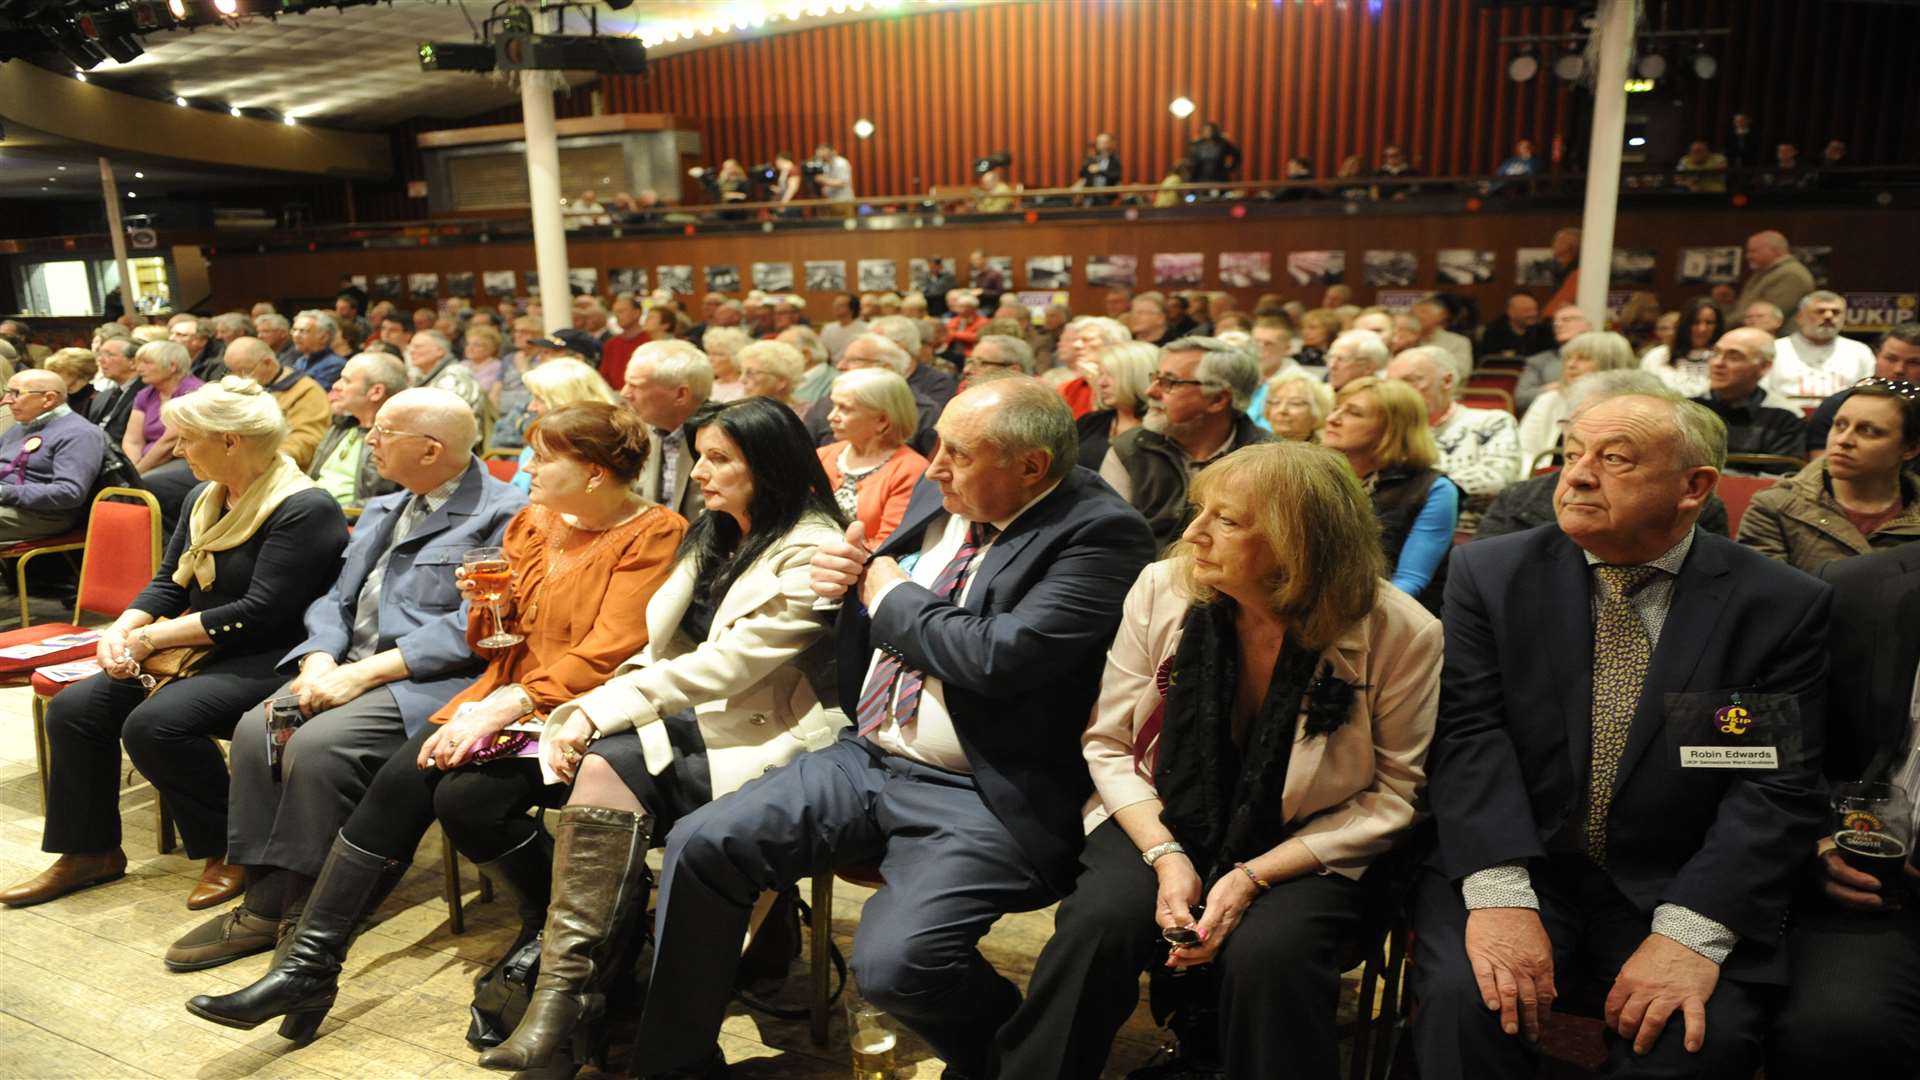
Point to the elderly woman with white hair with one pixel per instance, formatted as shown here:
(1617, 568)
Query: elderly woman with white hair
(167, 372)
(1080, 340)
(555, 384)
(201, 645)
(722, 344)
(1121, 373)
(1297, 406)
(1546, 418)
(772, 369)
(870, 467)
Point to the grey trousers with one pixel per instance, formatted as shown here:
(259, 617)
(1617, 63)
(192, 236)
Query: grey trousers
(329, 763)
(18, 524)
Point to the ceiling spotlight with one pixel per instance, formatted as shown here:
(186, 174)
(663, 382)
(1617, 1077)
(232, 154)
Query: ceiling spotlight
(132, 195)
(289, 121)
(234, 111)
(1637, 140)
(81, 75)
(180, 101)
(178, 9)
(1570, 67)
(863, 128)
(139, 176)
(1181, 107)
(228, 8)
(1704, 65)
(1524, 66)
(59, 168)
(1651, 66)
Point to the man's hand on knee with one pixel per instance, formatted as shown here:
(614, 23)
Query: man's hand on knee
(1660, 978)
(1512, 961)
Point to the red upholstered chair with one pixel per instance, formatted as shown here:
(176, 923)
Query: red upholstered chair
(122, 555)
(1737, 492)
(1486, 397)
(29, 550)
(504, 469)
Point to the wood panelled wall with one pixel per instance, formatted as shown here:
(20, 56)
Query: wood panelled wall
(1871, 251)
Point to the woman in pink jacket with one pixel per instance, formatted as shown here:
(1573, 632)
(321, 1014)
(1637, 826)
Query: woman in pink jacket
(1259, 740)
(870, 468)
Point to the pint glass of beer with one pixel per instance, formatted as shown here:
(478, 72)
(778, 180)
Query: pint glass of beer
(873, 1035)
(1872, 827)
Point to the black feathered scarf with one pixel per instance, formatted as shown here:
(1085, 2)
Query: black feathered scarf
(1221, 803)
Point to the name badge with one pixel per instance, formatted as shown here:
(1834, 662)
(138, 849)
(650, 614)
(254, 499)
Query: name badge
(1729, 757)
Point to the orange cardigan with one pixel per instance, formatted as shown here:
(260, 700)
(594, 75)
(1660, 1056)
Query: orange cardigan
(586, 622)
(885, 492)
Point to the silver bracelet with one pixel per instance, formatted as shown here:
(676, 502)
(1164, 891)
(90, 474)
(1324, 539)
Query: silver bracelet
(1170, 847)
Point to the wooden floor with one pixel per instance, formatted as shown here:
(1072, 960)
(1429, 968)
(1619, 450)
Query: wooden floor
(83, 993)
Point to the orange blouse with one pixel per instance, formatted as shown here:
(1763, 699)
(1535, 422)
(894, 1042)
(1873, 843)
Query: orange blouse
(580, 598)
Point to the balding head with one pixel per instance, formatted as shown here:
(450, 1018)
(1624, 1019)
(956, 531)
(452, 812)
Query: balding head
(251, 358)
(1765, 248)
(423, 437)
(1428, 370)
(35, 391)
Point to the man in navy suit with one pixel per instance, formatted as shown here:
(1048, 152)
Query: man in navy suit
(971, 645)
(386, 647)
(1625, 770)
(1855, 943)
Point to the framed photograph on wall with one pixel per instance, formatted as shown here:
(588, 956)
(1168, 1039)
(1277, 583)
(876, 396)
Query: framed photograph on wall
(1245, 269)
(1317, 267)
(1462, 266)
(1633, 266)
(879, 275)
(1179, 269)
(723, 278)
(460, 283)
(826, 275)
(1113, 271)
(1534, 267)
(627, 280)
(1711, 265)
(773, 276)
(1389, 268)
(1049, 271)
(675, 279)
(423, 286)
(583, 280)
(498, 283)
(386, 286)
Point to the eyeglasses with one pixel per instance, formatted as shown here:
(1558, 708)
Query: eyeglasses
(981, 361)
(384, 433)
(1901, 387)
(1167, 382)
(11, 394)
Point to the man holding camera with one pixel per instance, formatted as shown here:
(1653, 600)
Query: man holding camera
(832, 174)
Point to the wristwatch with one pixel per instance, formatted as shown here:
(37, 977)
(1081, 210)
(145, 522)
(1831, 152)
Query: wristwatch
(1153, 853)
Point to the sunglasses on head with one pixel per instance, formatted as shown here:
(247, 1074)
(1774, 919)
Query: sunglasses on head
(1906, 390)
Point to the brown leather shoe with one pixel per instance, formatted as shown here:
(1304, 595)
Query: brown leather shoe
(220, 882)
(233, 935)
(69, 873)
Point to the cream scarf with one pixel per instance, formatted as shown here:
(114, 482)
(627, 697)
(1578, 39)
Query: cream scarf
(209, 531)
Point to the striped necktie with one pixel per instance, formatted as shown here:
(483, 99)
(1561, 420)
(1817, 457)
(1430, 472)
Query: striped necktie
(879, 699)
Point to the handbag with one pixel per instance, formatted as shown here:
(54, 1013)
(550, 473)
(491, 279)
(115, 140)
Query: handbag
(501, 993)
(163, 666)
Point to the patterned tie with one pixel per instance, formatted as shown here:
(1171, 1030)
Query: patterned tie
(669, 464)
(1621, 651)
(877, 699)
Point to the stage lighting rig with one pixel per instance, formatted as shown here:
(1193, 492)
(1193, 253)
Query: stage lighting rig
(510, 42)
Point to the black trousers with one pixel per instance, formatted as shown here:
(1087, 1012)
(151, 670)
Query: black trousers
(170, 737)
(1593, 929)
(951, 869)
(1854, 996)
(482, 808)
(681, 788)
(1279, 972)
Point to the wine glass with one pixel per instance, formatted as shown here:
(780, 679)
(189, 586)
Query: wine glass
(488, 569)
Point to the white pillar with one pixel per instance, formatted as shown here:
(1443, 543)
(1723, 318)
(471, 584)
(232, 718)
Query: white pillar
(118, 233)
(543, 188)
(1615, 31)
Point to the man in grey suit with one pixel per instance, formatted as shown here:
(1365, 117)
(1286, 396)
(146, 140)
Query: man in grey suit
(668, 383)
(386, 646)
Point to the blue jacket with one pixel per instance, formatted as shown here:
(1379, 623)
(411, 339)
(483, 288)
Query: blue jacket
(321, 367)
(421, 612)
(1022, 661)
(61, 469)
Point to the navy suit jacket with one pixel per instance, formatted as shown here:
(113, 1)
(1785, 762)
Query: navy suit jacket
(1021, 661)
(421, 612)
(1875, 650)
(1508, 770)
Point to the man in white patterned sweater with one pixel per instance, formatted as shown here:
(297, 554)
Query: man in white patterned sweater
(1815, 361)
(1479, 448)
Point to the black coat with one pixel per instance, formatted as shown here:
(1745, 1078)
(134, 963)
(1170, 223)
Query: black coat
(1875, 649)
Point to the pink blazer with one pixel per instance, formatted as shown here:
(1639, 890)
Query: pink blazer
(1352, 791)
(884, 495)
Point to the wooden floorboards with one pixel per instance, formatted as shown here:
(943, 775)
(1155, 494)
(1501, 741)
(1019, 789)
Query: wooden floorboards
(83, 993)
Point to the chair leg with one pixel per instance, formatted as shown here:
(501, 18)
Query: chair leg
(1393, 981)
(41, 751)
(20, 567)
(1363, 1017)
(820, 975)
(163, 823)
(450, 859)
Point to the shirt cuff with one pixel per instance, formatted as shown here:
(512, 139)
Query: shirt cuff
(1506, 885)
(874, 608)
(1697, 932)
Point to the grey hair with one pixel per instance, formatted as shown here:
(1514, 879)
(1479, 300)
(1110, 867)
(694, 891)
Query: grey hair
(1770, 306)
(678, 363)
(1608, 350)
(1700, 433)
(437, 338)
(232, 320)
(112, 331)
(1818, 296)
(169, 354)
(808, 342)
(782, 360)
(1762, 338)
(898, 329)
(323, 319)
(1222, 365)
(897, 359)
(384, 369)
(270, 321)
(1367, 345)
(1435, 357)
(1110, 331)
(1011, 348)
(885, 393)
(726, 340)
(233, 406)
(1033, 416)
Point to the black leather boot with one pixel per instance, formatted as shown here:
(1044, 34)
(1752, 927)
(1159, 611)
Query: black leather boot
(600, 882)
(525, 874)
(301, 985)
